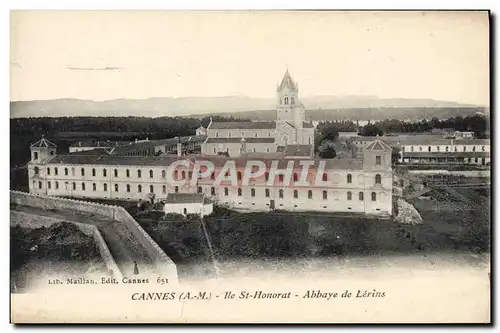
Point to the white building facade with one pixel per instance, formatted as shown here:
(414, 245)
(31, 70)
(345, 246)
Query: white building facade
(188, 203)
(290, 128)
(431, 149)
(360, 185)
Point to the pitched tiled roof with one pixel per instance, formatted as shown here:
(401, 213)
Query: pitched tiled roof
(422, 140)
(177, 198)
(91, 143)
(238, 140)
(298, 150)
(378, 145)
(43, 143)
(150, 144)
(244, 125)
(95, 151)
(106, 159)
(287, 82)
(218, 161)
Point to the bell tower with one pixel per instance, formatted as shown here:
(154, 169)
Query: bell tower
(288, 106)
(41, 152)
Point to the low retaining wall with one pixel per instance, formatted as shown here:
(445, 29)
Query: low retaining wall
(163, 263)
(32, 221)
(117, 213)
(69, 206)
(472, 173)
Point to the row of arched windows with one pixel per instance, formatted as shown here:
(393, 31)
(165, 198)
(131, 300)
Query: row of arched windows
(447, 148)
(288, 100)
(104, 172)
(82, 187)
(361, 196)
(200, 190)
(182, 174)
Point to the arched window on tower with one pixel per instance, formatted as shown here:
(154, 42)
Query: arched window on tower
(292, 100)
(286, 100)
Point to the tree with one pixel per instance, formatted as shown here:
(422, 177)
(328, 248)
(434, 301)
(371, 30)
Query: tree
(330, 133)
(327, 149)
(371, 130)
(396, 154)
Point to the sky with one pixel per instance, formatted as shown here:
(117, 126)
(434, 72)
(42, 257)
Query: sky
(102, 55)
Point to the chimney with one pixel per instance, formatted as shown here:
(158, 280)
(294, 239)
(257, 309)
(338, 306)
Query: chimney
(79, 143)
(135, 140)
(98, 143)
(179, 149)
(243, 148)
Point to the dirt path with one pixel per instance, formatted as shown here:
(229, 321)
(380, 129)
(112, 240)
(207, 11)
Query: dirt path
(120, 241)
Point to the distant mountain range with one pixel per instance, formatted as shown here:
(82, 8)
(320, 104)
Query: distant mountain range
(331, 107)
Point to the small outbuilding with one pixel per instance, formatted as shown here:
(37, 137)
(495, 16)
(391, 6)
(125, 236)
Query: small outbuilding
(188, 203)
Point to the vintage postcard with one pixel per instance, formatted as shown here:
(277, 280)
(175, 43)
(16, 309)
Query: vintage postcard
(250, 167)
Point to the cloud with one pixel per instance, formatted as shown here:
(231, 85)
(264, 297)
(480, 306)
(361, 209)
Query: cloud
(94, 68)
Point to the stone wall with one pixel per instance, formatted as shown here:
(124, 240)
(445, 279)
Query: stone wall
(32, 221)
(465, 173)
(70, 206)
(163, 263)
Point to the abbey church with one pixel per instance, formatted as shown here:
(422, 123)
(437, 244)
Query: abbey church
(290, 132)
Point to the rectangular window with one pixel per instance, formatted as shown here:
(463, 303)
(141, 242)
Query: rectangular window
(378, 160)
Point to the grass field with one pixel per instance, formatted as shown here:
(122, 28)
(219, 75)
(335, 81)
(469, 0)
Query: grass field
(458, 221)
(253, 236)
